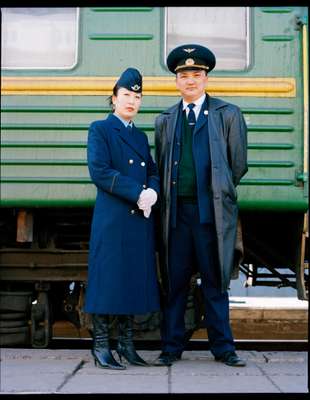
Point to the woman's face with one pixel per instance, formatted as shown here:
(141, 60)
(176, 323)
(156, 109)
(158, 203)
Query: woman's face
(126, 103)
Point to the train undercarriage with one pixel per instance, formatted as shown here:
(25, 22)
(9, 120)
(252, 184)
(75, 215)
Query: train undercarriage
(43, 270)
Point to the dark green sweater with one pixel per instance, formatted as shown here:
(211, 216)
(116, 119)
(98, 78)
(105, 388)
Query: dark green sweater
(187, 174)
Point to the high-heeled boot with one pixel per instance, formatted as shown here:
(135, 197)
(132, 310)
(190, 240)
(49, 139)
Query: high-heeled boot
(125, 347)
(101, 349)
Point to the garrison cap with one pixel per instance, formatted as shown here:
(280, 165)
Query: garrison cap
(190, 56)
(130, 79)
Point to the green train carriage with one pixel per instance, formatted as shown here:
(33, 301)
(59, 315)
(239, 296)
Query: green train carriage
(58, 68)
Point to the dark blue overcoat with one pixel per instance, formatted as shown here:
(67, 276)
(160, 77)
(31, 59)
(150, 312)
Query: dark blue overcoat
(122, 275)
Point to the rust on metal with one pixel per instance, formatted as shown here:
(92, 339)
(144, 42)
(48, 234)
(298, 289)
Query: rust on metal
(24, 230)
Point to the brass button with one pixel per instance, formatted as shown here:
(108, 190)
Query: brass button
(132, 211)
(142, 163)
(130, 161)
(174, 182)
(175, 163)
(144, 186)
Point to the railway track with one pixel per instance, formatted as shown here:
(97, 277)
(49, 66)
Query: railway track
(257, 324)
(286, 332)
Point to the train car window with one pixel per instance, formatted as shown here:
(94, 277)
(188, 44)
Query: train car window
(224, 30)
(39, 38)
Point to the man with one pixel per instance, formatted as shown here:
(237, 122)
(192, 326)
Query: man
(201, 151)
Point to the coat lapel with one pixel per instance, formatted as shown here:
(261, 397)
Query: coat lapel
(173, 114)
(134, 139)
(171, 126)
(214, 107)
(211, 104)
(137, 142)
(202, 117)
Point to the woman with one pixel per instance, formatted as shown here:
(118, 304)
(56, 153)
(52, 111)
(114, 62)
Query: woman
(122, 277)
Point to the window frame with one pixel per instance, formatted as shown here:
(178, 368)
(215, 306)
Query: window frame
(248, 58)
(75, 61)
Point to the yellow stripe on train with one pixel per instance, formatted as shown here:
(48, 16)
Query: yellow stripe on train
(153, 86)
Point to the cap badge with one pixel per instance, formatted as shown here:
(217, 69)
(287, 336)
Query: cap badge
(135, 87)
(189, 61)
(189, 50)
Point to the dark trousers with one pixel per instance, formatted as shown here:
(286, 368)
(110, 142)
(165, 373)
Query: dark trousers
(192, 242)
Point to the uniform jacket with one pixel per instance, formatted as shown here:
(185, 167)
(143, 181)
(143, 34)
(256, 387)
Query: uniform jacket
(227, 132)
(122, 270)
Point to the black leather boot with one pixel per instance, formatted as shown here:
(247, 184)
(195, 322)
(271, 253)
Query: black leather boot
(101, 349)
(125, 347)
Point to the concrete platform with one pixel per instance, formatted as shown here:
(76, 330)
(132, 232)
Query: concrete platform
(25, 371)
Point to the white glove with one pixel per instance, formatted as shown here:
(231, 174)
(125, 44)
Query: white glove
(147, 199)
(147, 212)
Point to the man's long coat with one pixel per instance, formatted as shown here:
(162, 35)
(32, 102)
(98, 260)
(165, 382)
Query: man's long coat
(122, 275)
(227, 132)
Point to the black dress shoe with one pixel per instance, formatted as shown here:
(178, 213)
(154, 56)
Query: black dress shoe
(230, 358)
(166, 359)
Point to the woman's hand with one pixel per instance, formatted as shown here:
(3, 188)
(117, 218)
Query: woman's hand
(147, 199)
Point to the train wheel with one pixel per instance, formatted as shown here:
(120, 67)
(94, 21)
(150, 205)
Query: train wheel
(41, 327)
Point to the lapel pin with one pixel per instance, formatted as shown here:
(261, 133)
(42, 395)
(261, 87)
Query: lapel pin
(206, 112)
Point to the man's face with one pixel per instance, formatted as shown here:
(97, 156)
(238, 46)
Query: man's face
(191, 84)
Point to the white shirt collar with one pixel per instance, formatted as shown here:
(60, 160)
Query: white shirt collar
(197, 102)
(126, 123)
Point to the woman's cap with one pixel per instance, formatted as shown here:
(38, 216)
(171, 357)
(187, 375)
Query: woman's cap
(130, 79)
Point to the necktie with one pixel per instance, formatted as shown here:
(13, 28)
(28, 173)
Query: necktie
(129, 128)
(191, 118)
